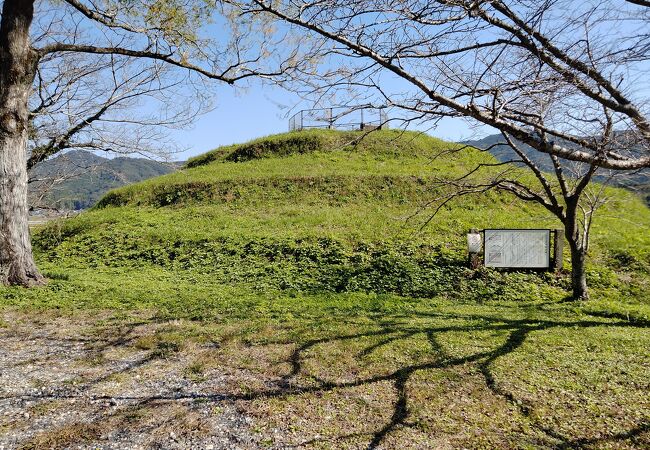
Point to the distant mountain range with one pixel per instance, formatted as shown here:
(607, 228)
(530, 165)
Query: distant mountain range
(78, 179)
(638, 182)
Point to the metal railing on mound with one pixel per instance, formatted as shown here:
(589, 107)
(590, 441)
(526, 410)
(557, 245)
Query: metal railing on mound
(352, 118)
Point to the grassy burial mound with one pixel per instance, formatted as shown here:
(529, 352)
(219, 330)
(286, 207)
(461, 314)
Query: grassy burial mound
(322, 211)
(291, 279)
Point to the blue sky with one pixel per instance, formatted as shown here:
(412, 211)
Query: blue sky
(260, 110)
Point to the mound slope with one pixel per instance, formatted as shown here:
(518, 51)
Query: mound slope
(323, 210)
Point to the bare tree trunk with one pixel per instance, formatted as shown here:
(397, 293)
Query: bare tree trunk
(578, 252)
(578, 276)
(17, 69)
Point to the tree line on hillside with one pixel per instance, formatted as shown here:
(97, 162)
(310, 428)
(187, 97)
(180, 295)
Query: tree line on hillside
(77, 179)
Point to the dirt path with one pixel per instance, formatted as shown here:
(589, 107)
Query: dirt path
(63, 386)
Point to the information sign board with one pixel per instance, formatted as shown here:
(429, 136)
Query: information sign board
(522, 249)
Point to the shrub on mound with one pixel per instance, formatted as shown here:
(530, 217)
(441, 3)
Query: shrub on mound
(284, 145)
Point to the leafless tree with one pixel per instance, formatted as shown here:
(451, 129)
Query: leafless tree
(569, 79)
(72, 71)
(97, 103)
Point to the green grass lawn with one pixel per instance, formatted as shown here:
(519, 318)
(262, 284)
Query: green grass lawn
(298, 266)
(346, 370)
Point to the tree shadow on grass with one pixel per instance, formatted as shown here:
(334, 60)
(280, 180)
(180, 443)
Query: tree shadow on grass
(518, 330)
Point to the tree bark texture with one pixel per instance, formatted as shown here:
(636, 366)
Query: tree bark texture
(17, 69)
(578, 252)
(578, 276)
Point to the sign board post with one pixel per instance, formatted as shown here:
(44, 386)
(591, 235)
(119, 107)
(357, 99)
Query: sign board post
(517, 249)
(558, 250)
(474, 246)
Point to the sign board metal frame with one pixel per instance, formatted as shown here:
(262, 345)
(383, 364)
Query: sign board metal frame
(548, 259)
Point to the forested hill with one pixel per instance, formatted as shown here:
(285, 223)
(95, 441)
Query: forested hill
(77, 179)
(638, 182)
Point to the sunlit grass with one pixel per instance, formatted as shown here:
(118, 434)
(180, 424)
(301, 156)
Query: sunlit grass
(285, 271)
